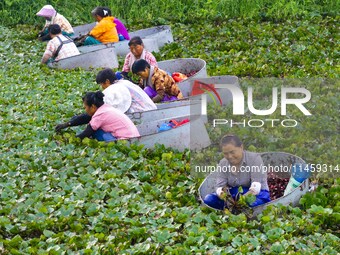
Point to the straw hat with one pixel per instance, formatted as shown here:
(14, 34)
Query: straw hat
(47, 11)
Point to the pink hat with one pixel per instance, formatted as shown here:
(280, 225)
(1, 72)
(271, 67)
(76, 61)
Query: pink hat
(47, 11)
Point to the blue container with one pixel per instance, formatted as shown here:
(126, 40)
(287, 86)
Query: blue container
(301, 172)
(121, 37)
(119, 75)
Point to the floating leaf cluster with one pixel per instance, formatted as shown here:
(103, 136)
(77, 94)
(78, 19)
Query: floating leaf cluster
(60, 195)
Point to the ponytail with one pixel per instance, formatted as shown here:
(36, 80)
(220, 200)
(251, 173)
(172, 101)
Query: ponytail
(94, 98)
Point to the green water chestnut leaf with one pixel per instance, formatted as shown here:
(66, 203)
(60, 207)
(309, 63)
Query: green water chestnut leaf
(250, 198)
(277, 248)
(167, 156)
(60, 194)
(15, 241)
(48, 233)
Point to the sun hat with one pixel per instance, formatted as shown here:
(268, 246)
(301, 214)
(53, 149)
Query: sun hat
(47, 11)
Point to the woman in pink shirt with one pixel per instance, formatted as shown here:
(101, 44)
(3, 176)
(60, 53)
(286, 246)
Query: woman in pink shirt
(107, 123)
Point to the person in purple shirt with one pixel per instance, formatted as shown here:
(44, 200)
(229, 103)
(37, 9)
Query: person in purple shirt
(121, 29)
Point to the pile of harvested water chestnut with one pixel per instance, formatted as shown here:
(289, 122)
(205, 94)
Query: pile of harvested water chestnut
(276, 185)
(191, 73)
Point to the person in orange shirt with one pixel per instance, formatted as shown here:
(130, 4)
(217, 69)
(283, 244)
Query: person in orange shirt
(105, 31)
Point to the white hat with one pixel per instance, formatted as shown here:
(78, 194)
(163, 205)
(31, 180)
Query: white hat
(47, 11)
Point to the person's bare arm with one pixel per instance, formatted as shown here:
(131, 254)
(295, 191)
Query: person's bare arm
(45, 58)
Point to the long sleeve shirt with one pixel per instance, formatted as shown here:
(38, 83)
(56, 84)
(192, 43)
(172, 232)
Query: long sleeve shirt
(251, 170)
(62, 22)
(105, 31)
(164, 84)
(121, 29)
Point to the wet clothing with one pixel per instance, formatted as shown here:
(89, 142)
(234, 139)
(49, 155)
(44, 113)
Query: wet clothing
(80, 119)
(215, 202)
(130, 59)
(100, 135)
(105, 31)
(162, 83)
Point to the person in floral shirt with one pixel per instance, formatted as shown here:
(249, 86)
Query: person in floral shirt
(159, 85)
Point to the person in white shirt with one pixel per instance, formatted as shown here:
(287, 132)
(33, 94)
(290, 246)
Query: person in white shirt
(113, 90)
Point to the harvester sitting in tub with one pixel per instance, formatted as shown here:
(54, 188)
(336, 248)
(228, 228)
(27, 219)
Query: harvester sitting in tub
(232, 173)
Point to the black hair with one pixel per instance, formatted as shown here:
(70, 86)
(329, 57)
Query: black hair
(108, 10)
(231, 139)
(136, 40)
(94, 98)
(139, 66)
(101, 11)
(106, 74)
(54, 29)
